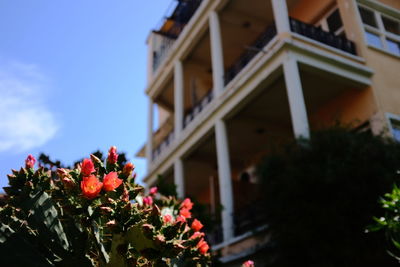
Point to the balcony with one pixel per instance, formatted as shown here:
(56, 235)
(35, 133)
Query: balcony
(163, 145)
(251, 52)
(193, 112)
(172, 27)
(296, 26)
(319, 35)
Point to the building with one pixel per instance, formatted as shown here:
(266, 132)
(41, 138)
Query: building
(231, 78)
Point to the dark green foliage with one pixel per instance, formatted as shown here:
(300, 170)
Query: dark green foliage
(321, 194)
(165, 188)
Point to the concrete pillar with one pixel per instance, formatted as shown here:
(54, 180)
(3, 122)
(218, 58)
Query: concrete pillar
(149, 145)
(178, 98)
(179, 178)
(281, 15)
(217, 57)
(225, 180)
(296, 99)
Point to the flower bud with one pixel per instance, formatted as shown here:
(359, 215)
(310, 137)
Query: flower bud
(153, 190)
(95, 160)
(112, 155)
(30, 162)
(128, 169)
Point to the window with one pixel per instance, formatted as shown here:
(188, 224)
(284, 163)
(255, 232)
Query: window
(368, 17)
(332, 22)
(381, 31)
(373, 39)
(391, 25)
(393, 46)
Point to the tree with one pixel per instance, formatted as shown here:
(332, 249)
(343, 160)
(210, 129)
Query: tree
(320, 195)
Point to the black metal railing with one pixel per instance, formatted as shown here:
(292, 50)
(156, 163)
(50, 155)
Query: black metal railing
(249, 53)
(197, 108)
(318, 34)
(163, 145)
(215, 236)
(249, 218)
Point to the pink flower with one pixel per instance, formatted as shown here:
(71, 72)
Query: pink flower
(196, 235)
(87, 167)
(112, 155)
(111, 181)
(248, 263)
(153, 190)
(148, 200)
(187, 204)
(30, 161)
(196, 225)
(167, 218)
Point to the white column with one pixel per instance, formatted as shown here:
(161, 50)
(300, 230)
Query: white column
(179, 178)
(217, 57)
(149, 146)
(281, 15)
(296, 99)
(178, 97)
(225, 180)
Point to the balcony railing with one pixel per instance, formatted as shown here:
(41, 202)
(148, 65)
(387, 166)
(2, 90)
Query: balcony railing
(173, 26)
(317, 34)
(249, 218)
(251, 52)
(197, 108)
(163, 145)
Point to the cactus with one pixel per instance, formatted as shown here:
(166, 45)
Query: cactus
(95, 215)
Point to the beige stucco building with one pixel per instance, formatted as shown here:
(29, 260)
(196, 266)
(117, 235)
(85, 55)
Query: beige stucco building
(232, 78)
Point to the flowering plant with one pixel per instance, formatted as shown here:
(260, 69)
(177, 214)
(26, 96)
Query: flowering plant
(96, 215)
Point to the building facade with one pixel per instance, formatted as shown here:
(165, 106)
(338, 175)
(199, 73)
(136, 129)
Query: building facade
(233, 78)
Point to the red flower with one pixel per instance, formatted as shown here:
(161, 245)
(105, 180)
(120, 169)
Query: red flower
(128, 168)
(203, 246)
(196, 225)
(248, 263)
(112, 155)
(91, 186)
(87, 167)
(148, 200)
(111, 181)
(30, 161)
(185, 213)
(153, 190)
(167, 218)
(187, 204)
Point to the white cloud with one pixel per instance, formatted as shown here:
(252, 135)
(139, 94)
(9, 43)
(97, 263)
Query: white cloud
(25, 122)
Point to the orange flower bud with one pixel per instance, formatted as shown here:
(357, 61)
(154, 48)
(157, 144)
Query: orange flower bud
(128, 168)
(196, 225)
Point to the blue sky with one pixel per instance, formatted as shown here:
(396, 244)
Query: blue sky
(72, 78)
